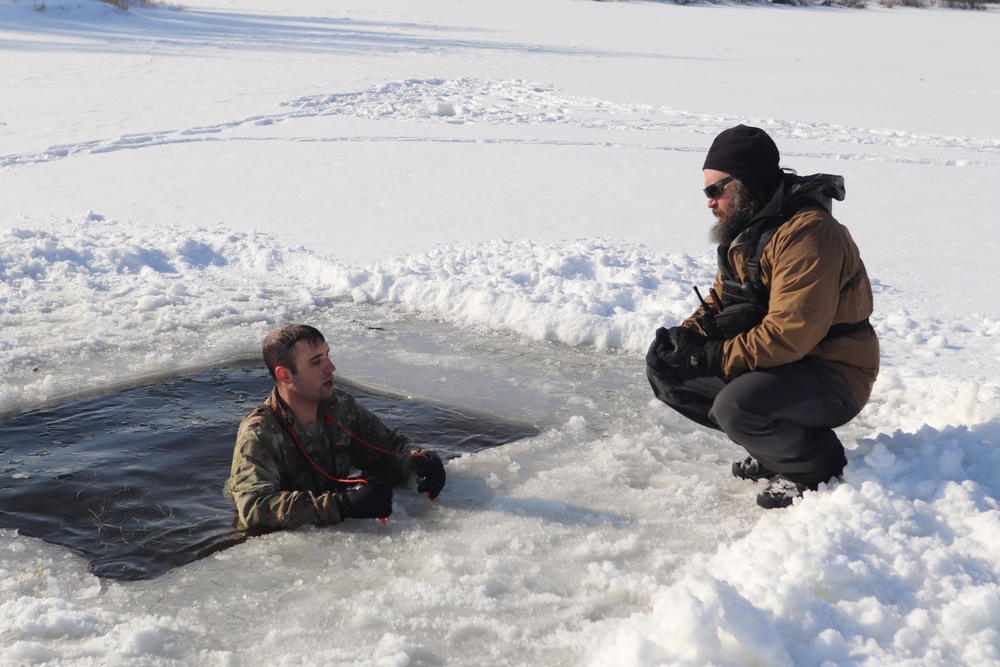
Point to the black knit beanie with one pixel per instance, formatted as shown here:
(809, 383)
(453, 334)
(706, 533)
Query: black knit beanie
(748, 154)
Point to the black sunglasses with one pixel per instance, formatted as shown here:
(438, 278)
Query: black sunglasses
(714, 191)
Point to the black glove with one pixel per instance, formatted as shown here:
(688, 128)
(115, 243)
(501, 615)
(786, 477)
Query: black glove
(656, 357)
(694, 356)
(430, 474)
(372, 500)
(734, 320)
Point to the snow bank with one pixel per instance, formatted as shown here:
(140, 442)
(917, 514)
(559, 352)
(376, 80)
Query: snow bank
(896, 565)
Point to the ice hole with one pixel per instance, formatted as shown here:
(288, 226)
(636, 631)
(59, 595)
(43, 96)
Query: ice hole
(132, 480)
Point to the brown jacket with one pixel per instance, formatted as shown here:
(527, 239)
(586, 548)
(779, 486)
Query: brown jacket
(816, 279)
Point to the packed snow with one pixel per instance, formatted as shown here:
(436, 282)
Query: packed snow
(495, 204)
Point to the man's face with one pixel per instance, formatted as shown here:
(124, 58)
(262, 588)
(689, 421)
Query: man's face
(733, 208)
(719, 205)
(313, 377)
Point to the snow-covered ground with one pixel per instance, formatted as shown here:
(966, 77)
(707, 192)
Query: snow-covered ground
(495, 204)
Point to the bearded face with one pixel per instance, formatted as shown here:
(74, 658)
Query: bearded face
(740, 207)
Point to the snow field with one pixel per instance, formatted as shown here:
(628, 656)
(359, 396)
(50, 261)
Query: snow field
(495, 206)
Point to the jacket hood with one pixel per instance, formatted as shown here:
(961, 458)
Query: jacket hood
(793, 194)
(820, 189)
(797, 192)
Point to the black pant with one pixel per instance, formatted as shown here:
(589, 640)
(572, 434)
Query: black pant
(782, 416)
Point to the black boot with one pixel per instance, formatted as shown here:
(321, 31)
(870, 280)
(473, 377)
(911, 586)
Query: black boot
(752, 469)
(780, 492)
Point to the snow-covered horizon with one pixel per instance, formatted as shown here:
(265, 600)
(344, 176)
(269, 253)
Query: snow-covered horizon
(495, 205)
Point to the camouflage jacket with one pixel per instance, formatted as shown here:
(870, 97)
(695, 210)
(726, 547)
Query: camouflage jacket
(275, 486)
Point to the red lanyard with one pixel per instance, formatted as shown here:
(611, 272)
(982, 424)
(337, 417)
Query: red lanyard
(288, 427)
(330, 418)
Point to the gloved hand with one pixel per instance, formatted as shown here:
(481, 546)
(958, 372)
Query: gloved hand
(659, 352)
(372, 500)
(694, 356)
(430, 474)
(734, 320)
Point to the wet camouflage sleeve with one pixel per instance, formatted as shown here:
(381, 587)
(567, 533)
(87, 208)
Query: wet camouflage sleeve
(274, 485)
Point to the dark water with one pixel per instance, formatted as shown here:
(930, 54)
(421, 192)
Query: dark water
(133, 481)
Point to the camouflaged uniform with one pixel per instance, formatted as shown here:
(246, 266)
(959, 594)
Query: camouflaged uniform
(275, 486)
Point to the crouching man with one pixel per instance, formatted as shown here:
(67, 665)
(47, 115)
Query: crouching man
(295, 452)
(781, 351)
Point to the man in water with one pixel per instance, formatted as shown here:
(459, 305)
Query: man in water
(294, 453)
(782, 351)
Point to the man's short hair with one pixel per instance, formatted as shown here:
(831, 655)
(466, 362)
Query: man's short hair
(278, 348)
